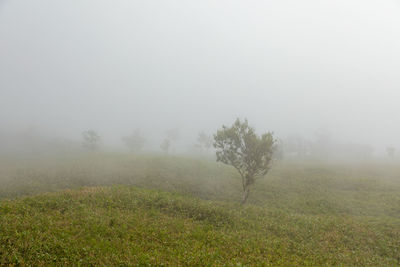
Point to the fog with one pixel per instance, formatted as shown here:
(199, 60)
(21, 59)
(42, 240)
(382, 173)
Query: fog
(292, 67)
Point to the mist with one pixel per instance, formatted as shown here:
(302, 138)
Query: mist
(199, 133)
(294, 68)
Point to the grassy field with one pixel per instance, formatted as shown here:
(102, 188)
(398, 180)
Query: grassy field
(119, 209)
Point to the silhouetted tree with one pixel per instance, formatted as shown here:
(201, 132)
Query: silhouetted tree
(249, 154)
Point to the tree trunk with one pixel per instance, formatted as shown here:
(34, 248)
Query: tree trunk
(246, 193)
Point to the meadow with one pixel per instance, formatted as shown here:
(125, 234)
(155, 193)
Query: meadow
(124, 209)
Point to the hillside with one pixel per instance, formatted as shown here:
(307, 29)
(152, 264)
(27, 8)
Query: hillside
(115, 209)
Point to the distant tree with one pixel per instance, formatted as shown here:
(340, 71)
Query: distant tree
(249, 154)
(91, 140)
(323, 144)
(204, 141)
(165, 145)
(366, 151)
(390, 150)
(296, 145)
(135, 141)
(173, 134)
(279, 150)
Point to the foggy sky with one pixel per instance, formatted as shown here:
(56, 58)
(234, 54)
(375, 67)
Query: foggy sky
(287, 66)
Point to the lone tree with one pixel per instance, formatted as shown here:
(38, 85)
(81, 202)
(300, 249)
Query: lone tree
(249, 154)
(135, 141)
(91, 140)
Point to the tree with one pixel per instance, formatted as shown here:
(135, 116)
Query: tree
(324, 144)
(240, 147)
(135, 141)
(278, 150)
(297, 146)
(390, 150)
(91, 140)
(172, 135)
(204, 141)
(165, 145)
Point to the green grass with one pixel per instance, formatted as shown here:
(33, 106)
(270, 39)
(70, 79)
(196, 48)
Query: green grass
(115, 209)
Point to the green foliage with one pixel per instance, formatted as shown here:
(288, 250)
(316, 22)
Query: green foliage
(131, 226)
(249, 154)
(179, 214)
(91, 140)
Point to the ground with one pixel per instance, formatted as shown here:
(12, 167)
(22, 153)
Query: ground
(120, 209)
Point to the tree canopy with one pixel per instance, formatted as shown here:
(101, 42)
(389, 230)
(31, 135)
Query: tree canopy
(250, 154)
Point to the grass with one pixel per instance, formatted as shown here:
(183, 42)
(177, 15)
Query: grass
(115, 209)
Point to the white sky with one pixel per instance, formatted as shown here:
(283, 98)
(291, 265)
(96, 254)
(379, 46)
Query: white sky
(288, 66)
